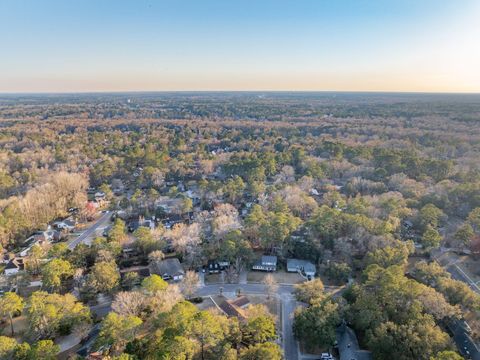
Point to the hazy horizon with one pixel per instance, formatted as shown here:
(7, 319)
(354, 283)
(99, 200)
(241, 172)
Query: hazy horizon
(398, 46)
(161, 92)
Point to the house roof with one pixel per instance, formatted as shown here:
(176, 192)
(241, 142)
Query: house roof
(269, 259)
(170, 267)
(309, 267)
(241, 301)
(173, 217)
(15, 264)
(231, 310)
(299, 264)
(293, 263)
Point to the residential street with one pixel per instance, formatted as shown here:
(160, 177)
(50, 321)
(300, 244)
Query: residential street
(289, 304)
(284, 293)
(289, 343)
(459, 274)
(88, 235)
(453, 264)
(245, 288)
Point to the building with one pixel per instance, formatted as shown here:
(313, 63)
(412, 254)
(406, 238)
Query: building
(266, 263)
(214, 267)
(14, 266)
(99, 196)
(303, 266)
(241, 302)
(141, 222)
(6, 257)
(48, 235)
(168, 269)
(172, 219)
(234, 308)
(67, 225)
(347, 345)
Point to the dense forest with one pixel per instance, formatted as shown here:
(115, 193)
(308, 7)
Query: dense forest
(381, 192)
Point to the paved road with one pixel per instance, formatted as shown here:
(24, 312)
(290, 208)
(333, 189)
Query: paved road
(452, 262)
(284, 294)
(86, 236)
(101, 310)
(290, 344)
(458, 274)
(465, 344)
(245, 288)
(289, 304)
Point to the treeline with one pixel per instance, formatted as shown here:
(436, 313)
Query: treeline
(50, 199)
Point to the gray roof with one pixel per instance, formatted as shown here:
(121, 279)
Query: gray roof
(309, 267)
(16, 263)
(269, 259)
(348, 345)
(304, 265)
(293, 263)
(170, 267)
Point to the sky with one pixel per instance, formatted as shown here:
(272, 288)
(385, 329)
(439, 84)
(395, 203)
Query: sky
(281, 45)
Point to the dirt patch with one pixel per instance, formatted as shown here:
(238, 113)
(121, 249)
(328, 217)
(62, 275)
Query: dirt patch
(213, 279)
(281, 277)
(20, 326)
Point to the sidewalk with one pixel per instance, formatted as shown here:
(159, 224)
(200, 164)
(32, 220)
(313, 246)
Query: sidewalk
(242, 278)
(201, 278)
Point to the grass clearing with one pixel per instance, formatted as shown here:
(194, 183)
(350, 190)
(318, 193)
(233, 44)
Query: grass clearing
(282, 277)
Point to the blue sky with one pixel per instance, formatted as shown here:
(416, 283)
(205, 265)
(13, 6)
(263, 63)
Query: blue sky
(106, 45)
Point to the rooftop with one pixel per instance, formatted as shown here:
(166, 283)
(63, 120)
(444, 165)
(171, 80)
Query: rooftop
(170, 266)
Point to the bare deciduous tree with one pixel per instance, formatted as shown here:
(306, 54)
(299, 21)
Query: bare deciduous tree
(271, 285)
(162, 301)
(225, 220)
(190, 284)
(156, 256)
(128, 303)
(184, 237)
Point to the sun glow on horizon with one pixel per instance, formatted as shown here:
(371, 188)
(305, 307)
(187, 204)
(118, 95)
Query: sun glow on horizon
(284, 45)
